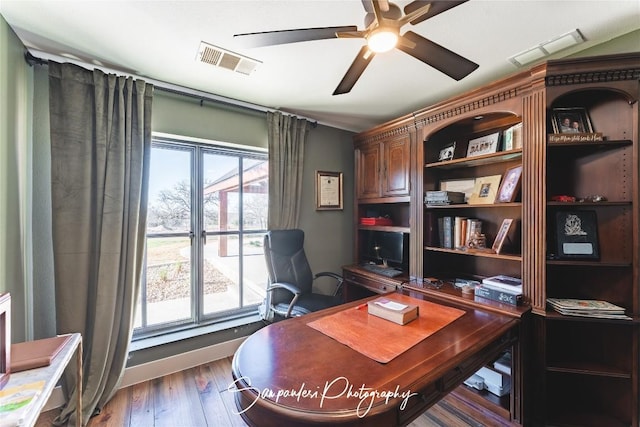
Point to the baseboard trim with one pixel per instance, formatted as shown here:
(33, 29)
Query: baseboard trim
(179, 362)
(160, 368)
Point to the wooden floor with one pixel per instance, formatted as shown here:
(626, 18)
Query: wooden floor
(198, 397)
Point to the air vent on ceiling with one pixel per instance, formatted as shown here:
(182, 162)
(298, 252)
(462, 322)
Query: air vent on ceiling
(218, 57)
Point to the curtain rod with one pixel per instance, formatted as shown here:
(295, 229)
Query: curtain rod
(161, 85)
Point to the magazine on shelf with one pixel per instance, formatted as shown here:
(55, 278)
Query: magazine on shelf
(585, 305)
(587, 308)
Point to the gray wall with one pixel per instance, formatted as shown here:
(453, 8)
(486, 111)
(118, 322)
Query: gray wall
(15, 181)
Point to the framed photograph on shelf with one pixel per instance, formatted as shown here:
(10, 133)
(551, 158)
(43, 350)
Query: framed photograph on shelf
(571, 120)
(484, 145)
(501, 237)
(510, 185)
(512, 138)
(577, 235)
(485, 190)
(447, 152)
(328, 191)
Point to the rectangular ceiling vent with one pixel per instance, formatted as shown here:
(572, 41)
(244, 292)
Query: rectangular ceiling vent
(218, 57)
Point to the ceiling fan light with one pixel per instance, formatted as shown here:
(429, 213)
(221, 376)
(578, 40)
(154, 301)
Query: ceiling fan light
(382, 40)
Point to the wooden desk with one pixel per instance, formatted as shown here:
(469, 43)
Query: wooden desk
(290, 374)
(50, 375)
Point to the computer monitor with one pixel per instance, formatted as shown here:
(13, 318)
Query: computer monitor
(385, 247)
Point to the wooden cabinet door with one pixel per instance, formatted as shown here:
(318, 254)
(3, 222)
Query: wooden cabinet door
(395, 179)
(368, 171)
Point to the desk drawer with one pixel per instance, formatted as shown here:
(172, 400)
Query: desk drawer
(379, 286)
(468, 367)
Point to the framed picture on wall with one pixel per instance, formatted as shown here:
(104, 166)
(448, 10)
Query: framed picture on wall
(329, 191)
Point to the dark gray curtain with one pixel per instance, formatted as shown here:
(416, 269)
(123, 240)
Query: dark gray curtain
(287, 136)
(100, 147)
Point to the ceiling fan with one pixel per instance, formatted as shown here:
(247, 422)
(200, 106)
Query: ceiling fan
(383, 23)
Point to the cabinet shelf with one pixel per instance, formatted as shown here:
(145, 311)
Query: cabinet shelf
(554, 315)
(589, 204)
(485, 159)
(588, 368)
(599, 145)
(506, 257)
(483, 206)
(395, 228)
(588, 263)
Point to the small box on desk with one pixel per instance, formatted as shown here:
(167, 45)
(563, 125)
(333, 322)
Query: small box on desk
(393, 311)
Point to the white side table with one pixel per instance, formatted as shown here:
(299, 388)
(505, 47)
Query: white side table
(50, 375)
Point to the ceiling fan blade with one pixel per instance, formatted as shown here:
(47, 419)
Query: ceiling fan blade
(368, 5)
(437, 7)
(355, 71)
(352, 35)
(270, 38)
(440, 58)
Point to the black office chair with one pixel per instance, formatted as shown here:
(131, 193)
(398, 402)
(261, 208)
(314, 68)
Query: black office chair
(289, 293)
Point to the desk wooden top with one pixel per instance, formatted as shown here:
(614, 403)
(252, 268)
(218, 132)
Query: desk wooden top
(291, 374)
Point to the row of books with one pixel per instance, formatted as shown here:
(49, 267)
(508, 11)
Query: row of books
(456, 231)
(501, 288)
(587, 308)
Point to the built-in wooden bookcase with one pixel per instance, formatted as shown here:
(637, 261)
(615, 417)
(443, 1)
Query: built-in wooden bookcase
(448, 263)
(588, 368)
(567, 370)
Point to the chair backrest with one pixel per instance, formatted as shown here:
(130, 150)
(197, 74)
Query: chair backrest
(286, 260)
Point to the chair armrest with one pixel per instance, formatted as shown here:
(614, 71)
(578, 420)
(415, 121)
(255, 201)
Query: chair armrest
(338, 277)
(284, 285)
(289, 287)
(329, 274)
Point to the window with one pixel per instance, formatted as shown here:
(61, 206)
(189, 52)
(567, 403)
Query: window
(207, 216)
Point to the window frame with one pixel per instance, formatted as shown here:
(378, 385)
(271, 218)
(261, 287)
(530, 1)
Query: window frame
(198, 148)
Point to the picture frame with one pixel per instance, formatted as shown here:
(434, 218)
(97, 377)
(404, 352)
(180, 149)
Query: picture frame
(447, 152)
(487, 144)
(510, 185)
(502, 234)
(512, 138)
(485, 190)
(577, 235)
(463, 185)
(5, 338)
(329, 193)
(571, 120)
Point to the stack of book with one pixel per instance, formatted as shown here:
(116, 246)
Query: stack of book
(505, 289)
(443, 198)
(456, 231)
(587, 308)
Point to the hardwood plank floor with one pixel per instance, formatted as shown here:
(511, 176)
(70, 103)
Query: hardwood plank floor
(198, 397)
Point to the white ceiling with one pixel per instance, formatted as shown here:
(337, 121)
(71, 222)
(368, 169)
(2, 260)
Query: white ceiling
(159, 40)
